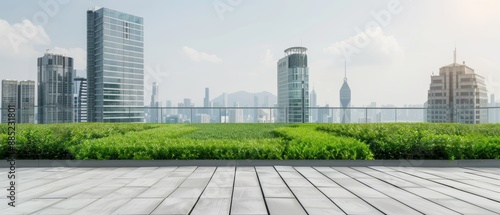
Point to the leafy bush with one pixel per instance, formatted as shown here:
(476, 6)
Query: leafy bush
(51, 141)
(254, 141)
(167, 142)
(304, 142)
(233, 131)
(423, 140)
(4, 145)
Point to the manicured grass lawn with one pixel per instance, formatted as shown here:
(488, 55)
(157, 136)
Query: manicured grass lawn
(107, 141)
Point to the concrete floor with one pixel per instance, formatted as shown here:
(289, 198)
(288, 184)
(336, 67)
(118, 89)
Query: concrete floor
(253, 190)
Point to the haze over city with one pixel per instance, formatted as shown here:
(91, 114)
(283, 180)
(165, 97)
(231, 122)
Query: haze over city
(231, 46)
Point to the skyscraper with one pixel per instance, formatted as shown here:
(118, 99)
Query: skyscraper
(80, 99)
(9, 97)
(345, 99)
(26, 102)
(21, 95)
(154, 111)
(256, 110)
(293, 86)
(206, 101)
(313, 104)
(115, 66)
(236, 115)
(457, 94)
(55, 92)
(186, 109)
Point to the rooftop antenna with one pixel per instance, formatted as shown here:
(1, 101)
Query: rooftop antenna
(345, 70)
(455, 55)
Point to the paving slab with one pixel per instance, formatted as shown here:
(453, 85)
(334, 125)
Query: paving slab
(139, 206)
(284, 206)
(254, 206)
(254, 190)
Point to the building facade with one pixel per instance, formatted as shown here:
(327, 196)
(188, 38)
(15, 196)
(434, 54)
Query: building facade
(236, 114)
(293, 86)
(206, 101)
(21, 95)
(55, 92)
(26, 102)
(9, 97)
(80, 99)
(314, 106)
(115, 66)
(457, 94)
(154, 111)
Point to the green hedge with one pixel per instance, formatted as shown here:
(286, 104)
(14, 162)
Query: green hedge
(304, 142)
(167, 143)
(52, 141)
(423, 140)
(254, 141)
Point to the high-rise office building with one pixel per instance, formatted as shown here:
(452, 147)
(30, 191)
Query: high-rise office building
(256, 110)
(21, 95)
(168, 105)
(457, 94)
(55, 89)
(293, 86)
(236, 115)
(345, 100)
(313, 105)
(115, 66)
(494, 110)
(26, 102)
(154, 111)
(80, 99)
(185, 109)
(9, 98)
(206, 100)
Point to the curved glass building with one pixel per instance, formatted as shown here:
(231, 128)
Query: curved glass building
(55, 92)
(293, 86)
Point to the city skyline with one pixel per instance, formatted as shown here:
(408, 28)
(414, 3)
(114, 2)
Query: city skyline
(203, 51)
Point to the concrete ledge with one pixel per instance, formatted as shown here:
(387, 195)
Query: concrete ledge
(160, 163)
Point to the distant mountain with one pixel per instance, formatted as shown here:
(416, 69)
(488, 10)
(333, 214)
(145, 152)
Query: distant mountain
(246, 99)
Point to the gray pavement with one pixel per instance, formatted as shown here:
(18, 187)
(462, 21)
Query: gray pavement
(253, 190)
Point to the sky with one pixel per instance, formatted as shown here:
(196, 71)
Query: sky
(391, 47)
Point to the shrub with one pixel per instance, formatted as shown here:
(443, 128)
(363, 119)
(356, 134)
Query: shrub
(304, 142)
(167, 142)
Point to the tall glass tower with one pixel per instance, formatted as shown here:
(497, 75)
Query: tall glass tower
(115, 66)
(293, 86)
(55, 86)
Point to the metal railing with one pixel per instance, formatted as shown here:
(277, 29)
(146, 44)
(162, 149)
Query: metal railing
(264, 114)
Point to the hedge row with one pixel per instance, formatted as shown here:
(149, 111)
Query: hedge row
(167, 143)
(304, 142)
(424, 141)
(255, 141)
(53, 141)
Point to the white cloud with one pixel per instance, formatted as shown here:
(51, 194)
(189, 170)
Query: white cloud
(268, 58)
(21, 38)
(79, 55)
(198, 56)
(367, 48)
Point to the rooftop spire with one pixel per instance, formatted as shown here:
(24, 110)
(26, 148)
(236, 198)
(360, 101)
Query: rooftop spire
(455, 55)
(345, 70)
